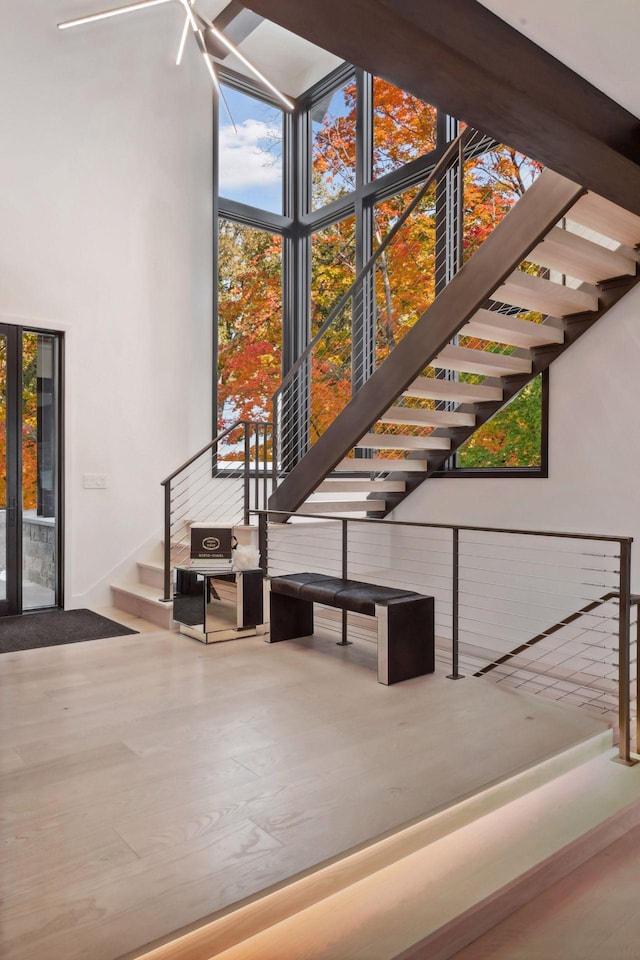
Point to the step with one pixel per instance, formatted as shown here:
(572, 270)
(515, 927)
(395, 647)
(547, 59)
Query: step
(143, 601)
(578, 257)
(398, 441)
(430, 889)
(415, 417)
(534, 293)
(513, 331)
(452, 391)
(344, 506)
(151, 573)
(358, 485)
(377, 465)
(480, 362)
(606, 218)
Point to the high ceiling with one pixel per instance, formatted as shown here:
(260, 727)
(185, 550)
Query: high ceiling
(596, 39)
(289, 62)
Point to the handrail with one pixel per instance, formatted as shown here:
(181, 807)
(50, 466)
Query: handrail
(450, 153)
(450, 526)
(208, 446)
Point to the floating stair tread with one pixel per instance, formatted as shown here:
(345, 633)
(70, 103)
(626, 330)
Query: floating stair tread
(607, 218)
(377, 465)
(501, 328)
(535, 293)
(344, 506)
(578, 257)
(361, 485)
(481, 362)
(452, 391)
(415, 417)
(397, 441)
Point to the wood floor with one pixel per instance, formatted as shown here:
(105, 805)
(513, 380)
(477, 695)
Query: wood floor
(590, 915)
(150, 781)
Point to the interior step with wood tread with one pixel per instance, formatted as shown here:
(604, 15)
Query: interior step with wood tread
(344, 506)
(480, 362)
(376, 465)
(606, 218)
(510, 330)
(415, 417)
(535, 293)
(397, 441)
(578, 257)
(452, 391)
(361, 485)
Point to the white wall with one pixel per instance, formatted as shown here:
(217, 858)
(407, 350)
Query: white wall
(105, 234)
(594, 449)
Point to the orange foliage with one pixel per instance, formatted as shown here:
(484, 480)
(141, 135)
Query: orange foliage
(250, 300)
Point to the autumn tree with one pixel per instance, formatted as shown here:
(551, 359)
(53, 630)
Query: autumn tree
(405, 278)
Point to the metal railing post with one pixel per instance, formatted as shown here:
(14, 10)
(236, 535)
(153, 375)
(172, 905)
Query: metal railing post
(263, 544)
(247, 471)
(167, 542)
(624, 656)
(636, 600)
(345, 570)
(455, 593)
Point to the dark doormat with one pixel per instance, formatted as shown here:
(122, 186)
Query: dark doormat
(54, 627)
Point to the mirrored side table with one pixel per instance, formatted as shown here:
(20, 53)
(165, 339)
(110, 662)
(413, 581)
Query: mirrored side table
(212, 606)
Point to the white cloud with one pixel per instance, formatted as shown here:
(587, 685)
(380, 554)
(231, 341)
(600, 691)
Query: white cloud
(245, 160)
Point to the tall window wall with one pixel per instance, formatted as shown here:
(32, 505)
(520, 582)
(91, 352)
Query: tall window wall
(302, 201)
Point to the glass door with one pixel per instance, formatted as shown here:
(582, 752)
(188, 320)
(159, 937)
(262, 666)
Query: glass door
(29, 470)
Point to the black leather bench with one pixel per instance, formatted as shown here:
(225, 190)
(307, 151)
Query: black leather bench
(404, 618)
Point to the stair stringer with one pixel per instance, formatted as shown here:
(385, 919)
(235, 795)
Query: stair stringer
(546, 201)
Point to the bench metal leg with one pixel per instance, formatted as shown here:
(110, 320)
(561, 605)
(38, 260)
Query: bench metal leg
(290, 618)
(405, 639)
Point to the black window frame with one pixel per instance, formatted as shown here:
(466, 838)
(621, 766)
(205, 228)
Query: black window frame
(299, 222)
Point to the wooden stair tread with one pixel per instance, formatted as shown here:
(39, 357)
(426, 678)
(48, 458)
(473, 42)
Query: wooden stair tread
(514, 331)
(607, 218)
(396, 441)
(415, 417)
(344, 506)
(360, 485)
(534, 293)
(452, 391)
(578, 257)
(481, 362)
(378, 465)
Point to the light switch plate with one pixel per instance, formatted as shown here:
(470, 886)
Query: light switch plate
(94, 481)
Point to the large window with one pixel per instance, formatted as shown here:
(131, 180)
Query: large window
(249, 321)
(347, 163)
(333, 150)
(250, 151)
(404, 128)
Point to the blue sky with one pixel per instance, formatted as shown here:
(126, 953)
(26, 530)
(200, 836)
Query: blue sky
(251, 158)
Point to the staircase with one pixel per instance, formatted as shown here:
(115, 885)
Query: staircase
(561, 252)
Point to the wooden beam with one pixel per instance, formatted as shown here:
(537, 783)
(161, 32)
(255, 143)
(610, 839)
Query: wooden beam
(545, 202)
(462, 58)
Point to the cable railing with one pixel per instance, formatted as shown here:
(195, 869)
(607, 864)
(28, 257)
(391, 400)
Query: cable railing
(548, 614)
(409, 266)
(222, 483)
(424, 236)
